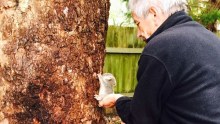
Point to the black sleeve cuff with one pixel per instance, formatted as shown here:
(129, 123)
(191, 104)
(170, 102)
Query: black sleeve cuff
(123, 108)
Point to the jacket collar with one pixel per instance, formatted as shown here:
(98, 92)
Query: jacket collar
(175, 19)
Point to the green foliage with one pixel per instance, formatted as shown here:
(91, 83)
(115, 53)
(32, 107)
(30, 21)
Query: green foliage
(210, 17)
(206, 13)
(125, 0)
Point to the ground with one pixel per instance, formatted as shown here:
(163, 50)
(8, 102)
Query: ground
(113, 119)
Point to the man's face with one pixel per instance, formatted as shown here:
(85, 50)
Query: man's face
(145, 26)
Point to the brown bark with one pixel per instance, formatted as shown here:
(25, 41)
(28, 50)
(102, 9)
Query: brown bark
(51, 51)
(212, 27)
(213, 1)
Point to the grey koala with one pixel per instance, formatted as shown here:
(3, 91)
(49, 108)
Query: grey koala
(107, 82)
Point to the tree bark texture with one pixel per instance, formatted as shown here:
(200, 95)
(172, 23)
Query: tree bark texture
(50, 53)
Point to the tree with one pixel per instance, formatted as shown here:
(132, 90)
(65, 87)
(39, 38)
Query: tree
(205, 12)
(51, 51)
(214, 14)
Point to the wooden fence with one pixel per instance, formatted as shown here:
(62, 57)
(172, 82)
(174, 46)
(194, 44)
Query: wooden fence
(123, 52)
(122, 62)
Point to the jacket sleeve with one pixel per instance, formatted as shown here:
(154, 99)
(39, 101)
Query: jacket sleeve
(152, 91)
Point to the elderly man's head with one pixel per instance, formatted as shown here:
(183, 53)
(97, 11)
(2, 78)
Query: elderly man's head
(150, 14)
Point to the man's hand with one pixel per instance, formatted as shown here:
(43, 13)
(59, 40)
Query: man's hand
(109, 100)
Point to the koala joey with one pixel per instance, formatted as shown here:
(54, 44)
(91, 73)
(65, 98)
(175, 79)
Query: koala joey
(107, 82)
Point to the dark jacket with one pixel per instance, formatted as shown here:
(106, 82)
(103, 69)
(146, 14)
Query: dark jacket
(178, 77)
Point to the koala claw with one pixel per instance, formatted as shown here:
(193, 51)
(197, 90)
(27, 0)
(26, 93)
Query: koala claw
(97, 97)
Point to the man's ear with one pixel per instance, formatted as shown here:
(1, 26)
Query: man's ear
(153, 11)
(155, 14)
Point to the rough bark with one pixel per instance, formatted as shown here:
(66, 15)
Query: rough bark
(50, 53)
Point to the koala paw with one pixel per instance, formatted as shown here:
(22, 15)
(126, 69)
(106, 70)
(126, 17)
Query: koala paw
(97, 97)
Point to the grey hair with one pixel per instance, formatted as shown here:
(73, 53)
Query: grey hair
(141, 7)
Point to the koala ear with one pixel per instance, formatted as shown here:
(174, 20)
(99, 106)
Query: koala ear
(109, 78)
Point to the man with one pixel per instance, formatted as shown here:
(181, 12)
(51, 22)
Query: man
(179, 69)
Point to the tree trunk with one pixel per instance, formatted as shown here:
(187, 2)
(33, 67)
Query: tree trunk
(51, 51)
